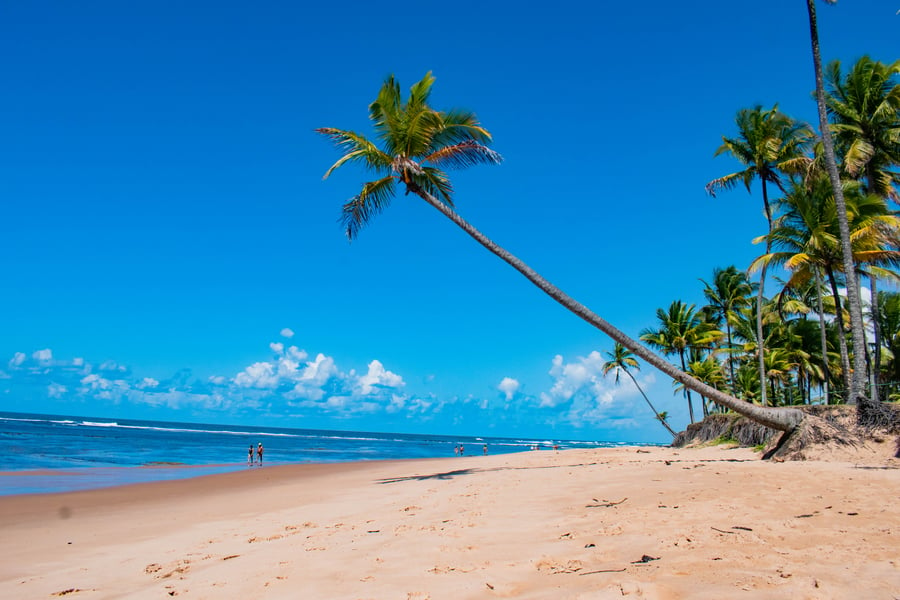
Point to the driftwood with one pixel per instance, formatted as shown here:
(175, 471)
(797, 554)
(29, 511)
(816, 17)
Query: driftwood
(605, 504)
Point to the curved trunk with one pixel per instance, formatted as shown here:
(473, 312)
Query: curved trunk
(650, 404)
(854, 306)
(780, 419)
(760, 340)
(842, 337)
(825, 370)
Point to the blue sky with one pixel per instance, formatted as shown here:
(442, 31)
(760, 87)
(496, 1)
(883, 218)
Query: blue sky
(170, 251)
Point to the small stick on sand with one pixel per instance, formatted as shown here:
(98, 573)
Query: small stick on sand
(605, 504)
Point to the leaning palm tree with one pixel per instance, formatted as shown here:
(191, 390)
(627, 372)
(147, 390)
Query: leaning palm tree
(621, 360)
(867, 411)
(769, 144)
(416, 143)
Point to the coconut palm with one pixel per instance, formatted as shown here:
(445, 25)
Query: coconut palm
(864, 106)
(621, 360)
(417, 143)
(806, 240)
(728, 291)
(707, 370)
(858, 380)
(681, 330)
(769, 144)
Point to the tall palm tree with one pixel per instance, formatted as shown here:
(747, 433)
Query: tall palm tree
(621, 360)
(858, 378)
(806, 239)
(417, 142)
(864, 107)
(728, 291)
(681, 330)
(769, 144)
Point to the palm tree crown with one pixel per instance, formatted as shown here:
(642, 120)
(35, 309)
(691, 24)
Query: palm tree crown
(864, 106)
(416, 144)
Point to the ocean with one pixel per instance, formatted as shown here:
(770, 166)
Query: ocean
(57, 453)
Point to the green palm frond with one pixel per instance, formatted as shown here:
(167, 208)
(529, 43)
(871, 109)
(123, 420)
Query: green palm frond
(435, 182)
(359, 210)
(727, 182)
(356, 148)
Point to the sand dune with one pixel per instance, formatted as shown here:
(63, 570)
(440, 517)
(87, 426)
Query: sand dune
(638, 523)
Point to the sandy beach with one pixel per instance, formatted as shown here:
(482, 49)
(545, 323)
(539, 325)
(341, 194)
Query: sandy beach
(642, 523)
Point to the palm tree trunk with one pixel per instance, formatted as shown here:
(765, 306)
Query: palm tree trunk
(858, 378)
(760, 340)
(687, 391)
(842, 337)
(780, 419)
(730, 355)
(876, 333)
(825, 370)
(650, 404)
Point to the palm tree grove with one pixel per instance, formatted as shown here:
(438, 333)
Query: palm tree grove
(813, 321)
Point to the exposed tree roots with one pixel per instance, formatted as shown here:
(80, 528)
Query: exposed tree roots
(806, 441)
(827, 432)
(877, 416)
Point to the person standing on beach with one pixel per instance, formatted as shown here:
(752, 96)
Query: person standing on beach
(250, 456)
(259, 453)
(485, 449)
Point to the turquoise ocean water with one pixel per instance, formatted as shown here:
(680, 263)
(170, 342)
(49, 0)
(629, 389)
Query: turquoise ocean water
(55, 453)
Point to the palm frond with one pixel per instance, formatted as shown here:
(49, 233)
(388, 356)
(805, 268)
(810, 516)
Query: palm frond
(372, 200)
(464, 154)
(727, 182)
(356, 148)
(436, 183)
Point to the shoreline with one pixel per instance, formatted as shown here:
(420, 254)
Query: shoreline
(711, 522)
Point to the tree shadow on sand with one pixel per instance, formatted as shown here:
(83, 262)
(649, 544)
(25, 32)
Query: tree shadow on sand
(460, 472)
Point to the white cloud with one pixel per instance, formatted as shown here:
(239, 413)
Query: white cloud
(111, 365)
(297, 354)
(55, 390)
(17, 360)
(309, 382)
(44, 355)
(509, 387)
(572, 378)
(257, 375)
(103, 388)
(377, 377)
(287, 332)
(277, 347)
(147, 382)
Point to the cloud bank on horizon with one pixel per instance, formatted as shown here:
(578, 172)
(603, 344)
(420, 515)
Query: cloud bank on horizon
(298, 389)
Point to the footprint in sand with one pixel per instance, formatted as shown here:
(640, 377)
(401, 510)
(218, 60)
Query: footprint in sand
(554, 566)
